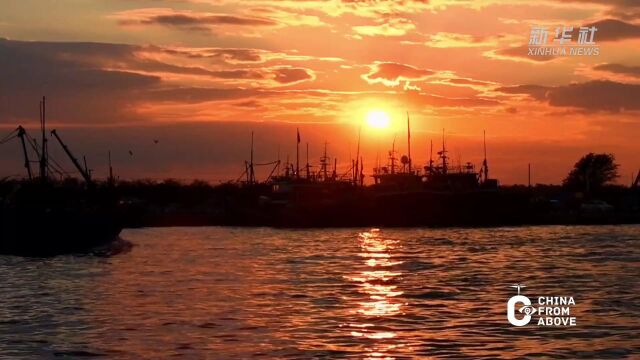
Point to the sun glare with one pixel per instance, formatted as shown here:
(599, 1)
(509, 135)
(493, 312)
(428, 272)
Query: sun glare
(378, 119)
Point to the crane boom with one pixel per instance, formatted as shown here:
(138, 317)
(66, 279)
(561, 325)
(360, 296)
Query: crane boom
(75, 162)
(27, 164)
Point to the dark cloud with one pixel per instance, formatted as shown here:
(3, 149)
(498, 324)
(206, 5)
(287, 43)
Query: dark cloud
(536, 91)
(227, 55)
(613, 30)
(392, 73)
(291, 75)
(80, 89)
(80, 92)
(192, 95)
(619, 69)
(189, 20)
(615, 3)
(595, 95)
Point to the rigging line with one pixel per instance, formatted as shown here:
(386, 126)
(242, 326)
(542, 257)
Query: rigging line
(269, 163)
(52, 160)
(9, 137)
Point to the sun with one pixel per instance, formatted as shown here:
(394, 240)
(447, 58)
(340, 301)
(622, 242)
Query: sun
(378, 119)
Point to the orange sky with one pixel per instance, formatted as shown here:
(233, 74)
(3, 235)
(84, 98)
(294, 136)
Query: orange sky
(199, 75)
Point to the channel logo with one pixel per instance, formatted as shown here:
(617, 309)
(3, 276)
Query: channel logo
(526, 309)
(549, 310)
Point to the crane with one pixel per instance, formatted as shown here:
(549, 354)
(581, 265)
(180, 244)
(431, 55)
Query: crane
(27, 164)
(85, 174)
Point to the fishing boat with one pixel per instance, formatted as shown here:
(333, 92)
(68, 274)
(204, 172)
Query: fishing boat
(44, 216)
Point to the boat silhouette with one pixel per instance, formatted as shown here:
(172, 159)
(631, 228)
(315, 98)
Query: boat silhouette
(43, 216)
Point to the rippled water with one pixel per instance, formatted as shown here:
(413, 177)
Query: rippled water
(362, 293)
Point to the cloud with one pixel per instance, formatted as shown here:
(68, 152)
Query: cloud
(251, 20)
(421, 99)
(597, 95)
(391, 74)
(614, 30)
(391, 27)
(189, 20)
(94, 83)
(518, 53)
(289, 75)
(454, 40)
(79, 92)
(619, 69)
(361, 8)
(607, 30)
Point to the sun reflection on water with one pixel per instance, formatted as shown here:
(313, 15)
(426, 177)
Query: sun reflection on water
(377, 282)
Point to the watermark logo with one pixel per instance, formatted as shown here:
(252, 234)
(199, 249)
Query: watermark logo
(561, 43)
(549, 310)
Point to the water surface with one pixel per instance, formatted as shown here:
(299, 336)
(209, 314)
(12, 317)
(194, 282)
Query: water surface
(363, 293)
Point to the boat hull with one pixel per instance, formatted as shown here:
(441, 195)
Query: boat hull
(48, 232)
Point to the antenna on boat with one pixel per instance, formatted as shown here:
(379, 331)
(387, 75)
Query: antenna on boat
(409, 141)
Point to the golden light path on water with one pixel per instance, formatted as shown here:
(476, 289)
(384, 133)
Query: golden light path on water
(377, 285)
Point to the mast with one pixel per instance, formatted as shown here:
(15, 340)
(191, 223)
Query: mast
(75, 162)
(287, 166)
(393, 156)
(278, 166)
(43, 154)
(27, 163)
(252, 175)
(355, 179)
(86, 168)
(324, 161)
(335, 168)
(431, 156)
(409, 141)
(110, 169)
(307, 166)
(444, 155)
(298, 154)
(361, 170)
(485, 166)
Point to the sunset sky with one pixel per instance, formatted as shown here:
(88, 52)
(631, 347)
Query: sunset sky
(199, 75)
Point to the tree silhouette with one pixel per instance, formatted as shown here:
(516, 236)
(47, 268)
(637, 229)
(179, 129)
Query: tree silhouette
(592, 171)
